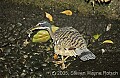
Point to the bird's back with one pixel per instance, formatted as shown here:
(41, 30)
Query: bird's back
(69, 42)
(68, 37)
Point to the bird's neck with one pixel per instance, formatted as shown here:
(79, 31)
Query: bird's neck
(54, 28)
(52, 31)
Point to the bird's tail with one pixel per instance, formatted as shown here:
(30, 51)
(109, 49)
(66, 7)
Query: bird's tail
(85, 55)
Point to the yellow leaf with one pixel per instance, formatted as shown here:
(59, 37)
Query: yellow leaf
(49, 16)
(96, 36)
(108, 41)
(41, 36)
(67, 12)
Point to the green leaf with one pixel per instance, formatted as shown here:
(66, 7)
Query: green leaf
(108, 41)
(41, 36)
(96, 36)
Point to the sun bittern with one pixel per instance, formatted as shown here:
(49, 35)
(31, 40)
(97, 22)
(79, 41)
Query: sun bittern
(67, 42)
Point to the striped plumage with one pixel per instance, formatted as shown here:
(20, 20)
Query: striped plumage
(67, 42)
(67, 39)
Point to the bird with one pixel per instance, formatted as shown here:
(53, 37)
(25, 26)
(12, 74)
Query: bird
(68, 42)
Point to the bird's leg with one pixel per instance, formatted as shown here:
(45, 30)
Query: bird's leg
(61, 61)
(63, 64)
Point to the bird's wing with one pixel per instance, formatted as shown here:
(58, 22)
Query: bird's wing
(67, 39)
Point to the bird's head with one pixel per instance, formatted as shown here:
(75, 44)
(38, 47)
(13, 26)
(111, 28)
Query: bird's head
(45, 31)
(44, 24)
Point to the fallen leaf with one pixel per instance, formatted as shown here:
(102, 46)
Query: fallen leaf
(96, 36)
(41, 36)
(49, 16)
(67, 12)
(108, 41)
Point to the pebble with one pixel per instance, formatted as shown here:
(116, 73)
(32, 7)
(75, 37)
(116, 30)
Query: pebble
(11, 39)
(8, 50)
(25, 56)
(23, 74)
(103, 51)
(19, 24)
(2, 58)
(44, 64)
